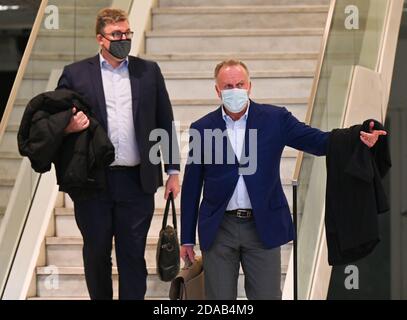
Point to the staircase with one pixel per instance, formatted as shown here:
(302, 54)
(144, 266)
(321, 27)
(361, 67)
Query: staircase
(278, 39)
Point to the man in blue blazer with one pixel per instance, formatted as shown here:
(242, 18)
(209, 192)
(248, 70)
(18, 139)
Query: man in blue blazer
(244, 218)
(129, 98)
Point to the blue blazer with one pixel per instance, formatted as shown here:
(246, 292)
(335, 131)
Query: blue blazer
(151, 109)
(276, 128)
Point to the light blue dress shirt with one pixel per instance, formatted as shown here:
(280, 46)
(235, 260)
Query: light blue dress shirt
(236, 133)
(119, 107)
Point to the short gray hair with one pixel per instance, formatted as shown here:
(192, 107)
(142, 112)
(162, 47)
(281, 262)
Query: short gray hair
(229, 63)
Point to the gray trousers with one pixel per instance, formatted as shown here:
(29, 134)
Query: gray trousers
(237, 243)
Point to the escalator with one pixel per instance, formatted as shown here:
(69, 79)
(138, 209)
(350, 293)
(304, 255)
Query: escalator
(388, 278)
(354, 85)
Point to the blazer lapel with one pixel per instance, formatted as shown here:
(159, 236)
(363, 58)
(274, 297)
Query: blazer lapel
(218, 121)
(250, 124)
(135, 91)
(96, 75)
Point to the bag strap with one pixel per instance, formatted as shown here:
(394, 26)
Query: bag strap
(170, 200)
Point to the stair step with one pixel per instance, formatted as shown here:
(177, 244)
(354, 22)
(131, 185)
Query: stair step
(186, 75)
(10, 155)
(9, 142)
(16, 114)
(207, 63)
(31, 88)
(45, 67)
(83, 3)
(81, 18)
(262, 88)
(236, 9)
(50, 241)
(41, 62)
(56, 56)
(20, 102)
(187, 111)
(5, 192)
(70, 34)
(36, 76)
(71, 9)
(78, 42)
(221, 3)
(9, 168)
(253, 75)
(71, 282)
(219, 56)
(13, 128)
(236, 40)
(67, 252)
(282, 32)
(7, 182)
(204, 102)
(252, 17)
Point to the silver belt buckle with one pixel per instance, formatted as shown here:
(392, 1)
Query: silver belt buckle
(242, 214)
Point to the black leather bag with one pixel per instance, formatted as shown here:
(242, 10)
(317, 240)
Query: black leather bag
(168, 255)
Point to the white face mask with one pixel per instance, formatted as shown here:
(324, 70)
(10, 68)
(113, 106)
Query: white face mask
(235, 100)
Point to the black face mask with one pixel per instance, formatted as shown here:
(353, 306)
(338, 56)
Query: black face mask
(120, 49)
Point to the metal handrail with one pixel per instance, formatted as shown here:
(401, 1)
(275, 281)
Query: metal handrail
(300, 156)
(315, 84)
(381, 76)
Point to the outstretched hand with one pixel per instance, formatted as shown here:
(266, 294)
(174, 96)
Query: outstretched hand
(371, 138)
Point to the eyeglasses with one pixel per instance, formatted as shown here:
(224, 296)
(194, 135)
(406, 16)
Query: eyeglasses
(118, 35)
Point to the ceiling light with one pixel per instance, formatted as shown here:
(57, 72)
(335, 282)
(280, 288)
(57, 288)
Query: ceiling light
(5, 8)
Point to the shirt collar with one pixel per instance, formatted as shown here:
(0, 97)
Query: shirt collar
(244, 117)
(104, 63)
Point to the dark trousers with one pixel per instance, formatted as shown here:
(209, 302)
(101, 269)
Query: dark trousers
(237, 243)
(124, 212)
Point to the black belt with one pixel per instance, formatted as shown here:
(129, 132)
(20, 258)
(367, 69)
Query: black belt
(241, 213)
(118, 168)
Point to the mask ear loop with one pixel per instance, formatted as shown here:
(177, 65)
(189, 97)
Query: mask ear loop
(103, 44)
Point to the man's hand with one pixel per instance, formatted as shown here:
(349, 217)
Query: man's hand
(187, 251)
(78, 123)
(172, 185)
(371, 138)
